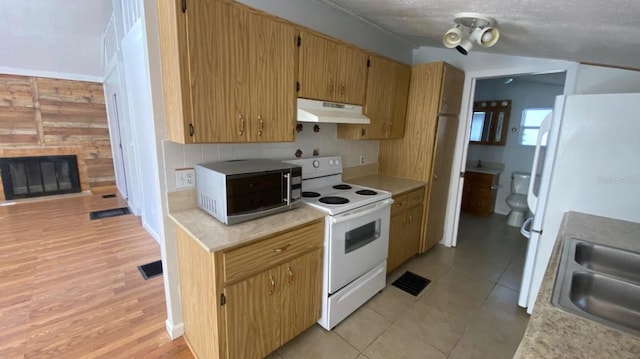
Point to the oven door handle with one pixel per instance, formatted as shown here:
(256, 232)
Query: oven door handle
(359, 212)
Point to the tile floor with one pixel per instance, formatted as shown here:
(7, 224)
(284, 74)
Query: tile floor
(468, 311)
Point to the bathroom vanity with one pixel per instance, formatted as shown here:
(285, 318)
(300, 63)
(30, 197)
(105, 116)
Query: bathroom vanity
(480, 190)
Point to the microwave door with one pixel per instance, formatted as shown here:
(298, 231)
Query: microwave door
(254, 193)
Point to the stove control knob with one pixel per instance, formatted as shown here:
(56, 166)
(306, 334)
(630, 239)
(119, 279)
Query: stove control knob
(337, 162)
(330, 162)
(316, 163)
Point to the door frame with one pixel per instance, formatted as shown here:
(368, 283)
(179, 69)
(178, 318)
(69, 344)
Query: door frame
(452, 219)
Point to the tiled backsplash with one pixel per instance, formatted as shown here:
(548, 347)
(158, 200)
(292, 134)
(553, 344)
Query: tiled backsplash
(185, 156)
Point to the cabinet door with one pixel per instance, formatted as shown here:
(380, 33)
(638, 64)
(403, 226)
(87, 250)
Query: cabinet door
(317, 67)
(396, 234)
(253, 315)
(451, 95)
(412, 233)
(441, 174)
(400, 97)
(272, 50)
(385, 101)
(301, 295)
(217, 70)
(351, 76)
(379, 101)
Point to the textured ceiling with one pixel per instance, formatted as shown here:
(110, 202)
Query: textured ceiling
(61, 36)
(593, 31)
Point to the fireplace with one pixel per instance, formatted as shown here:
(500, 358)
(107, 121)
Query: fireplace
(24, 177)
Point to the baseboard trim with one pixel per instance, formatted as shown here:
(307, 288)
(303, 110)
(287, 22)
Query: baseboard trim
(175, 330)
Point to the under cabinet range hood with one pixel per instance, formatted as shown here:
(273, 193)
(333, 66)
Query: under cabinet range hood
(330, 112)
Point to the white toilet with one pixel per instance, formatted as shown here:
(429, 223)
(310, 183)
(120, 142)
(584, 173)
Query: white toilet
(517, 200)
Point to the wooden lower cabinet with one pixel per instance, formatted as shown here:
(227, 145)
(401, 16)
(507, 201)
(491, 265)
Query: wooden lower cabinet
(405, 228)
(479, 193)
(249, 314)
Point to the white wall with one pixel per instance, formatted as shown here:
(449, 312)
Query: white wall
(329, 20)
(598, 80)
(482, 61)
(515, 157)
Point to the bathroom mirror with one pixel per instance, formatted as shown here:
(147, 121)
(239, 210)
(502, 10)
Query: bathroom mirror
(490, 122)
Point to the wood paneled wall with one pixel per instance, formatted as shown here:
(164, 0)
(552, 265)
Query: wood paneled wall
(42, 115)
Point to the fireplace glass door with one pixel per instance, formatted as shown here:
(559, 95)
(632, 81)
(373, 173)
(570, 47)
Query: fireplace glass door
(24, 177)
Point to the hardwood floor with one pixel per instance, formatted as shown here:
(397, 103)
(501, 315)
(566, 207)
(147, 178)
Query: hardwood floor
(70, 287)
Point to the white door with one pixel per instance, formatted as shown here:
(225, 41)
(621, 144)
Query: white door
(143, 127)
(112, 97)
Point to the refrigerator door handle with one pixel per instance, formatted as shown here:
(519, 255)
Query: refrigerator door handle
(545, 126)
(526, 227)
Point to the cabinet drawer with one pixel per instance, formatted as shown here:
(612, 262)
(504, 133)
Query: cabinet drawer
(415, 198)
(399, 204)
(245, 261)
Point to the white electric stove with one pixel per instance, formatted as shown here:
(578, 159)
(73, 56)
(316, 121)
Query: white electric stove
(356, 236)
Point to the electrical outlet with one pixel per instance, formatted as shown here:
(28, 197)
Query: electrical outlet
(185, 178)
(361, 159)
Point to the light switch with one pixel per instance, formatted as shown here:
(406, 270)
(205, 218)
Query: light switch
(185, 178)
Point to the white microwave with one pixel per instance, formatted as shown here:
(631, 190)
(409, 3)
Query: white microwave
(241, 190)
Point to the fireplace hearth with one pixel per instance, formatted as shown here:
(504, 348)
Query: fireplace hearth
(25, 177)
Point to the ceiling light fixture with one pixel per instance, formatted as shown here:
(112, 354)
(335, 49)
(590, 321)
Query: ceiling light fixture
(478, 28)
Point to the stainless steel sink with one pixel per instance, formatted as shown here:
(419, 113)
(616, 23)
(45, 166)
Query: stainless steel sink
(604, 259)
(600, 283)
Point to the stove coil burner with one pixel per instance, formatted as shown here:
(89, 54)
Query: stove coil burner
(366, 192)
(333, 200)
(342, 186)
(310, 194)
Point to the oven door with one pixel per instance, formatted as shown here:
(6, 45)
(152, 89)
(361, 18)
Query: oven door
(358, 241)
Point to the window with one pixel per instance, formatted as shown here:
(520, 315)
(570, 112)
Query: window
(531, 120)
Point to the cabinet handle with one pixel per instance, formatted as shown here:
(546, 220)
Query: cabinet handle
(290, 275)
(241, 132)
(390, 128)
(330, 87)
(444, 104)
(273, 284)
(261, 126)
(342, 90)
(283, 248)
(410, 219)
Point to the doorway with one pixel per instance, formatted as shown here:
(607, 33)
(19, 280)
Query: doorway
(500, 140)
(495, 153)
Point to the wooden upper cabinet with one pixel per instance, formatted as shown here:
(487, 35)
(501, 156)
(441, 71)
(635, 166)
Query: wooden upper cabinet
(401, 94)
(272, 90)
(217, 113)
(225, 69)
(451, 98)
(352, 75)
(385, 102)
(331, 71)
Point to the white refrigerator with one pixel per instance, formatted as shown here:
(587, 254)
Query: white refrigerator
(592, 165)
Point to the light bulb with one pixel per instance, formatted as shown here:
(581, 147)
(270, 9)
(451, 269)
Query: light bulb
(453, 36)
(487, 37)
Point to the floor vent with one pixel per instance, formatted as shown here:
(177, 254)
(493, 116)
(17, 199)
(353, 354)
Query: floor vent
(150, 270)
(411, 283)
(111, 195)
(109, 213)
